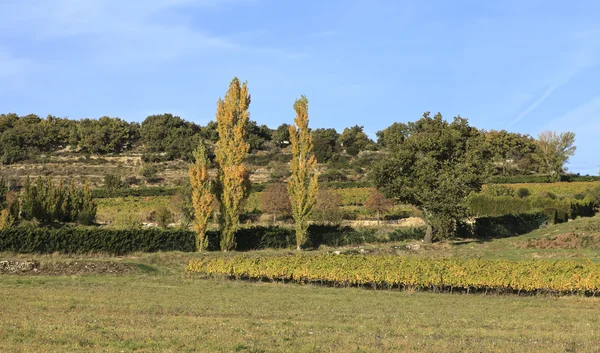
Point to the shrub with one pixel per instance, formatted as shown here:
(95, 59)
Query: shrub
(149, 171)
(523, 192)
(403, 234)
(90, 239)
(112, 182)
(162, 216)
(417, 273)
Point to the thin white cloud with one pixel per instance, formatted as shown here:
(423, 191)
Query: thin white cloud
(582, 58)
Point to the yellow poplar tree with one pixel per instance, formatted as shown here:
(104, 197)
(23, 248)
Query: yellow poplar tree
(303, 187)
(202, 199)
(231, 150)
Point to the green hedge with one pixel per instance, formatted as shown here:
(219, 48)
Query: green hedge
(273, 237)
(559, 210)
(408, 272)
(504, 226)
(139, 192)
(519, 179)
(88, 239)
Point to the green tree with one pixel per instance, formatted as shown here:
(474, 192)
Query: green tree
(554, 151)
(281, 135)
(325, 144)
(355, 139)
(393, 135)
(169, 137)
(231, 150)
(303, 187)
(511, 151)
(435, 168)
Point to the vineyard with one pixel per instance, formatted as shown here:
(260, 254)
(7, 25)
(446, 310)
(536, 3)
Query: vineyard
(564, 277)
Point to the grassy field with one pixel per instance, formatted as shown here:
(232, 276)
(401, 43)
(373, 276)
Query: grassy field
(165, 311)
(153, 306)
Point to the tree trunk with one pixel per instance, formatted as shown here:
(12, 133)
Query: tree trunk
(428, 234)
(274, 218)
(378, 217)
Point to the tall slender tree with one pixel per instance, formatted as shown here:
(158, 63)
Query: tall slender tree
(303, 186)
(202, 198)
(231, 150)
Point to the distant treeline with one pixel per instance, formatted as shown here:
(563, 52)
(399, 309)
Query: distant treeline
(168, 137)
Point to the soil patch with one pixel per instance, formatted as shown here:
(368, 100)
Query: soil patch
(566, 241)
(69, 268)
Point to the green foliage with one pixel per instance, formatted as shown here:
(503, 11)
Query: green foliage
(354, 140)
(523, 192)
(522, 179)
(149, 172)
(48, 202)
(76, 240)
(326, 144)
(169, 136)
(499, 190)
(112, 182)
(393, 135)
(281, 136)
(554, 151)
(435, 168)
(484, 205)
(512, 152)
(508, 225)
(162, 216)
(105, 135)
(411, 272)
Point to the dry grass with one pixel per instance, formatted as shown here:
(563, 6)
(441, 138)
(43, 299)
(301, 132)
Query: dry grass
(172, 313)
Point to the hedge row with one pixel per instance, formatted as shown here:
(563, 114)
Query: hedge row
(89, 239)
(273, 237)
(482, 205)
(559, 277)
(499, 179)
(138, 192)
(504, 226)
(113, 241)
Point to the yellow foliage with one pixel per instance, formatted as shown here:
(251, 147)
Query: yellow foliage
(6, 219)
(303, 186)
(231, 150)
(560, 277)
(202, 199)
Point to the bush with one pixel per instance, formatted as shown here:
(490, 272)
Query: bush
(523, 193)
(89, 239)
(112, 182)
(162, 216)
(417, 273)
(403, 234)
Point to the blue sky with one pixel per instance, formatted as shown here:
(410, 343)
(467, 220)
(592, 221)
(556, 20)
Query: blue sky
(523, 66)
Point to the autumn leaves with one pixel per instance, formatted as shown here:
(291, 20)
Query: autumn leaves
(231, 186)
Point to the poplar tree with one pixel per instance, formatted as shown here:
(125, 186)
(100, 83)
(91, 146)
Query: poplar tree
(231, 150)
(202, 199)
(303, 187)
